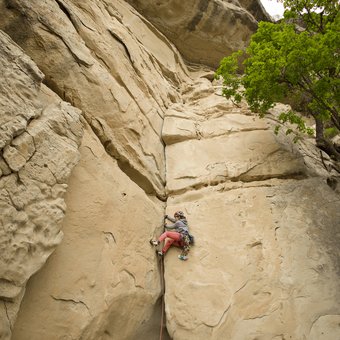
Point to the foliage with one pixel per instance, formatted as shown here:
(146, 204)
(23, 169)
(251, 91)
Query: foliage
(289, 61)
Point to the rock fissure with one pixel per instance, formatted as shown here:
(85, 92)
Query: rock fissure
(7, 315)
(123, 44)
(80, 61)
(262, 212)
(124, 164)
(222, 318)
(66, 10)
(263, 315)
(73, 301)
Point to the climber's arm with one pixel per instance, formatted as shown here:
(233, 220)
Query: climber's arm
(170, 218)
(170, 226)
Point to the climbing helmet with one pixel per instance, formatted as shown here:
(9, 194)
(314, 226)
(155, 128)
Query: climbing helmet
(179, 214)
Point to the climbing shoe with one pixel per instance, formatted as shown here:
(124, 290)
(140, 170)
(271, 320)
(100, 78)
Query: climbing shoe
(183, 257)
(159, 253)
(154, 243)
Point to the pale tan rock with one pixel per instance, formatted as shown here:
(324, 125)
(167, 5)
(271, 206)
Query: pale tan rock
(325, 327)
(206, 114)
(37, 161)
(203, 31)
(211, 146)
(103, 280)
(111, 63)
(266, 255)
(18, 102)
(258, 267)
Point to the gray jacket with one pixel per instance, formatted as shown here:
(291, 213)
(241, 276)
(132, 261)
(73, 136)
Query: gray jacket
(181, 226)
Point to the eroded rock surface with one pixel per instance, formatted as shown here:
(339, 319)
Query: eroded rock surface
(103, 281)
(40, 135)
(203, 31)
(266, 260)
(107, 60)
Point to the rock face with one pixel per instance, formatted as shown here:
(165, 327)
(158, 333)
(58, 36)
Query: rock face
(99, 59)
(266, 260)
(103, 280)
(40, 135)
(256, 9)
(108, 97)
(204, 31)
(104, 59)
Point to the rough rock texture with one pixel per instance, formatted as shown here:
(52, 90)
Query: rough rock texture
(39, 136)
(103, 281)
(123, 74)
(266, 260)
(108, 61)
(204, 31)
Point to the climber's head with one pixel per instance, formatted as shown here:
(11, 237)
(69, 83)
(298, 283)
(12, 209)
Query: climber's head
(179, 214)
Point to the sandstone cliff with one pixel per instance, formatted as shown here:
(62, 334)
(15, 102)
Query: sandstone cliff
(103, 130)
(204, 31)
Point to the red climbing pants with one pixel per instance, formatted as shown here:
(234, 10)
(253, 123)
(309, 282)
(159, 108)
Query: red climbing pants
(172, 238)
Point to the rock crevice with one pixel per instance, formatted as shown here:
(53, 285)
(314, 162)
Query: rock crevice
(103, 131)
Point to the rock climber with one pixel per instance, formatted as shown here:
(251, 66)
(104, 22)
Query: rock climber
(179, 237)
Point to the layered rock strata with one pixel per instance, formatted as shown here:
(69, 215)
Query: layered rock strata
(99, 57)
(266, 260)
(266, 257)
(107, 60)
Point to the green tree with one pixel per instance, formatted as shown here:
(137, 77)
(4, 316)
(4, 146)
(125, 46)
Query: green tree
(295, 61)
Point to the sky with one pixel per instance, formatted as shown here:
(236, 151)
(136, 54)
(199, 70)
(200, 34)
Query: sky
(273, 7)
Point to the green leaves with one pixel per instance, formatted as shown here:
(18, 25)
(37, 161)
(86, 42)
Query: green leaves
(289, 63)
(292, 118)
(231, 81)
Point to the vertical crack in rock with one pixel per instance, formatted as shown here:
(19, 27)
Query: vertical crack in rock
(136, 176)
(64, 8)
(7, 315)
(116, 36)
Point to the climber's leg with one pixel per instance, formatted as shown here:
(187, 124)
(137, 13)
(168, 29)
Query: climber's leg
(171, 237)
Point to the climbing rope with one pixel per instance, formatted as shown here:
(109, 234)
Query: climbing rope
(162, 302)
